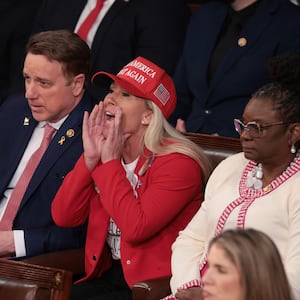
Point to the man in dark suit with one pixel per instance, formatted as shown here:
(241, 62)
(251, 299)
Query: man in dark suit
(224, 57)
(55, 71)
(154, 29)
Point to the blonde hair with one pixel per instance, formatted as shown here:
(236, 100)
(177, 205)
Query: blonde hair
(161, 139)
(258, 262)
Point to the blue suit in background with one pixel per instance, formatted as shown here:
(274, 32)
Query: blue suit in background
(210, 106)
(34, 213)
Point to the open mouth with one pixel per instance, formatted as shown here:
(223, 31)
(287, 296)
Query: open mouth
(109, 116)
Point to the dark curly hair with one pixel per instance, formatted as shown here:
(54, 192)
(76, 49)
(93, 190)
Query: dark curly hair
(284, 90)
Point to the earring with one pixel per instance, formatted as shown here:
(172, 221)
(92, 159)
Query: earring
(143, 122)
(293, 149)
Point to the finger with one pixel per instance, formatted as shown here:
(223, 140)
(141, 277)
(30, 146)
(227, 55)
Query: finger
(100, 114)
(114, 127)
(85, 123)
(118, 121)
(93, 116)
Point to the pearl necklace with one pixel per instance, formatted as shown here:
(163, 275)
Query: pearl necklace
(254, 177)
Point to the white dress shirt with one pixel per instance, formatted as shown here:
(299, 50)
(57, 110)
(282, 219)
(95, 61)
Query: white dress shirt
(33, 145)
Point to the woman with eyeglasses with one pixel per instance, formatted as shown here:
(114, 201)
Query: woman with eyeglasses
(258, 188)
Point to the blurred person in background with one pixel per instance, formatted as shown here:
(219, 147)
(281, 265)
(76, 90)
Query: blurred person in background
(121, 31)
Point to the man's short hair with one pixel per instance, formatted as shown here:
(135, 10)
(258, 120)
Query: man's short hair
(65, 47)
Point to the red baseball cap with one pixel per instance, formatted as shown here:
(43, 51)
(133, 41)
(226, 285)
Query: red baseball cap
(146, 80)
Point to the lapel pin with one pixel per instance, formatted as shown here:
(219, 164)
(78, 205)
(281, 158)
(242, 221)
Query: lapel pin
(96, 189)
(26, 121)
(62, 139)
(242, 42)
(70, 133)
(139, 184)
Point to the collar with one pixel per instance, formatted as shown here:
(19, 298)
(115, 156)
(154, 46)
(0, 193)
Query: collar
(55, 125)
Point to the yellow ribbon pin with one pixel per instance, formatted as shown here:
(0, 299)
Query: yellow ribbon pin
(62, 140)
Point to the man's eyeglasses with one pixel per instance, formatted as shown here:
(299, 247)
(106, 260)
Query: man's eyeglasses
(254, 129)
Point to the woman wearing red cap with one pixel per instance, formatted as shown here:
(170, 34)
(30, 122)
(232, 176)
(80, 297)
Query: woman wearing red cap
(138, 182)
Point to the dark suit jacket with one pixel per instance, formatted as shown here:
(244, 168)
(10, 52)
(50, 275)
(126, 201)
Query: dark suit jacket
(273, 29)
(154, 29)
(16, 18)
(34, 214)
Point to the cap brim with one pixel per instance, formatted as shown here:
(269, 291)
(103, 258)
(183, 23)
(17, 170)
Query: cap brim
(104, 79)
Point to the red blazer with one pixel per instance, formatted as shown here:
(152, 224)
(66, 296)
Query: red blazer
(168, 194)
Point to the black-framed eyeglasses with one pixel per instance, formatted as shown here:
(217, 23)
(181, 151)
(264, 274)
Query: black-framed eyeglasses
(255, 129)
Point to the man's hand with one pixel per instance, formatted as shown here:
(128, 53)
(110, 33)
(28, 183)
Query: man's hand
(7, 244)
(180, 125)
